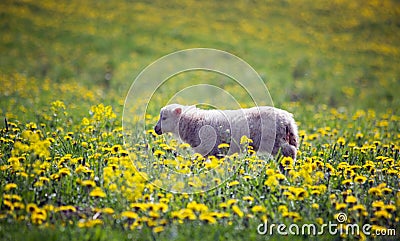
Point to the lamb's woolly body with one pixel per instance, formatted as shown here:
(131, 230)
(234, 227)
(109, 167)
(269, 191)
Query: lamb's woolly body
(270, 129)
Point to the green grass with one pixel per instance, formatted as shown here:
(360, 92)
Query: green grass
(176, 233)
(333, 64)
(319, 49)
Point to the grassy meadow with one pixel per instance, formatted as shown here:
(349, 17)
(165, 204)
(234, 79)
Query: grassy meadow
(66, 67)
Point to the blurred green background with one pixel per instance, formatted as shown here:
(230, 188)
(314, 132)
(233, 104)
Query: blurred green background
(338, 53)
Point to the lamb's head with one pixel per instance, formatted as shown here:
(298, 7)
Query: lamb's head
(169, 119)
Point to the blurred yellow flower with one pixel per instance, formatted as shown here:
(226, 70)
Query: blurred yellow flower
(287, 161)
(341, 206)
(88, 183)
(158, 229)
(341, 141)
(360, 179)
(233, 183)
(31, 207)
(108, 210)
(237, 210)
(10, 186)
(223, 145)
(207, 217)
(382, 214)
(375, 191)
(67, 208)
(97, 192)
(351, 199)
(129, 214)
(197, 207)
(258, 208)
(315, 206)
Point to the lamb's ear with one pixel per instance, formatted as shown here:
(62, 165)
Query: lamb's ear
(178, 111)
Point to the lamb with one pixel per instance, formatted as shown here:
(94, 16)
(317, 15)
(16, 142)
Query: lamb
(271, 129)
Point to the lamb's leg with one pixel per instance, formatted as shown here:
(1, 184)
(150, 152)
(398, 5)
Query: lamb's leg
(208, 139)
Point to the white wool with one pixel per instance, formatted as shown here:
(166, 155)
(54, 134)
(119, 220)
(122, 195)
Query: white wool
(271, 129)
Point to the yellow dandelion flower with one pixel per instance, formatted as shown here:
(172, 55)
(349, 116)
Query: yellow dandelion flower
(9, 205)
(184, 146)
(16, 197)
(67, 208)
(7, 197)
(140, 206)
(31, 208)
(90, 223)
(351, 199)
(250, 151)
(378, 205)
(158, 229)
(315, 192)
(184, 214)
(270, 172)
(382, 214)
(360, 179)
(207, 217)
(289, 195)
(85, 121)
(64, 172)
(341, 141)
(230, 202)
(248, 198)
(386, 190)
(163, 207)
(237, 210)
(223, 145)
(116, 149)
(341, 206)
(10, 186)
(97, 192)
(298, 192)
(320, 221)
(245, 140)
(287, 161)
(107, 210)
(197, 207)
(389, 208)
(375, 191)
(19, 205)
(154, 215)
(282, 208)
(39, 216)
(152, 132)
(359, 135)
(315, 206)
(129, 215)
(293, 215)
(166, 147)
(233, 183)
(88, 183)
(271, 182)
(258, 209)
(159, 153)
(330, 168)
(358, 208)
(223, 205)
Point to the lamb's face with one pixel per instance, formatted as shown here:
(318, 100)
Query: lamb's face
(169, 119)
